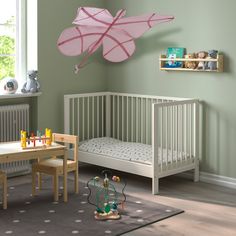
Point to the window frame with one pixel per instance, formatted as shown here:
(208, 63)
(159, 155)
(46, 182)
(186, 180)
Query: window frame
(21, 59)
(26, 40)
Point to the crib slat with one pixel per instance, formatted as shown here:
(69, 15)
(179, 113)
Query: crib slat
(102, 116)
(132, 119)
(88, 120)
(113, 116)
(137, 120)
(177, 134)
(73, 116)
(141, 119)
(161, 137)
(167, 136)
(108, 115)
(78, 116)
(172, 133)
(127, 116)
(186, 130)
(196, 135)
(190, 132)
(147, 121)
(98, 135)
(83, 117)
(182, 133)
(118, 120)
(122, 118)
(93, 117)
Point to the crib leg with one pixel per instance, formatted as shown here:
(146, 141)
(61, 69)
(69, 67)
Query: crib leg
(155, 185)
(196, 173)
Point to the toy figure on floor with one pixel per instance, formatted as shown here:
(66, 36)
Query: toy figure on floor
(105, 196)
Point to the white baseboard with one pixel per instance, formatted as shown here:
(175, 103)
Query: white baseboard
(214, 179)
(218, 180)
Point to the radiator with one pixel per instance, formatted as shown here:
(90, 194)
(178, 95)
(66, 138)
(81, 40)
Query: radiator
(14, 118)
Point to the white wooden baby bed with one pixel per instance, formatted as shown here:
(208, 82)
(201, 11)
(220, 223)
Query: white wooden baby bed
(170, 125)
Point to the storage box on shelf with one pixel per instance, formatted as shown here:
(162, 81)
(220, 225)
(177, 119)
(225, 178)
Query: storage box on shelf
(218, 60)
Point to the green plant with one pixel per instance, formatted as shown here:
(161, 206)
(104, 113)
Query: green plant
(7, 61)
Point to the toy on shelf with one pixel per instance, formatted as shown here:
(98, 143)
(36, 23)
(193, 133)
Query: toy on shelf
(190, 64)
(105, 197)
(9, 85)
(211, 65)
(202, 64)
(31, 85)
(36, 141)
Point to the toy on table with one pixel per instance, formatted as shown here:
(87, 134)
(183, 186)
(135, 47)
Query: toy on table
(105, 196)
(36, 141)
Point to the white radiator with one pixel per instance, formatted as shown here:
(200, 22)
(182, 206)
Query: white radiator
(13, 119)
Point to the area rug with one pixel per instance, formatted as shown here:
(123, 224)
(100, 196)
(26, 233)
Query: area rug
(29, 216)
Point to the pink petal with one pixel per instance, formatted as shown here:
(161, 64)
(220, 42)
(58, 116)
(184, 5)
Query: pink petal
(93, 16)
(76, 40)
(117, 46)
(138, 25)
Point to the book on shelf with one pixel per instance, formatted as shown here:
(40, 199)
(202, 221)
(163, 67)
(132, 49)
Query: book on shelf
(172, 54)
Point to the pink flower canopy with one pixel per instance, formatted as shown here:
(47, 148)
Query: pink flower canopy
(95, 27)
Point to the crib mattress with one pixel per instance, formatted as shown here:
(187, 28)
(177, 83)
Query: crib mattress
(129, 151)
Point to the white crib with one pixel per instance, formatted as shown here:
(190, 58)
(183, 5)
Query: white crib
(170, 126)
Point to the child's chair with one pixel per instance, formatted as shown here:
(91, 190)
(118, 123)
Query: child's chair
(3, 182)
(54, 166)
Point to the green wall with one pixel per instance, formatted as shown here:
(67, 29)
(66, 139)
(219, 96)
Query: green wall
(56, 71)
(201, 25)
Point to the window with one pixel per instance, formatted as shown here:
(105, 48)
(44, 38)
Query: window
(7, 38)
(15, 17)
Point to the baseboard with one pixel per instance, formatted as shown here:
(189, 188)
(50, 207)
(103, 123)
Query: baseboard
(218, 180)
(214, 179)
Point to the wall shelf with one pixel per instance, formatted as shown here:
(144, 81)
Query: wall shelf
(218, 60)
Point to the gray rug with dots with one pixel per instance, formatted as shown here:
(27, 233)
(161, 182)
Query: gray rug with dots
(29, 216)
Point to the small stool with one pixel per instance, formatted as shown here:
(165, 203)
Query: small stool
(3, 182)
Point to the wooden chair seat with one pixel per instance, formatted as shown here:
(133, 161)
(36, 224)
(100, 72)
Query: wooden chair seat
(57, 164)
(3, 182)
(54, 166)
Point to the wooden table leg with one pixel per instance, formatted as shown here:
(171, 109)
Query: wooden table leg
(65, 175)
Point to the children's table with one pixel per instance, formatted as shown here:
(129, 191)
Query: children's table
(12, 151)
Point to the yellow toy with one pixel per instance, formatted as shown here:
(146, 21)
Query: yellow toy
(38, 141)
(48, 135)
(23, 138)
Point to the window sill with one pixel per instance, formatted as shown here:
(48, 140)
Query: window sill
(19, 95)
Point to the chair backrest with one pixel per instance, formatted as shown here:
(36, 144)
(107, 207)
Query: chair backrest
(68, 139)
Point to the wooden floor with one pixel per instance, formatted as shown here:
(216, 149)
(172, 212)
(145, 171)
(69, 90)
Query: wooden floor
(209, 209)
